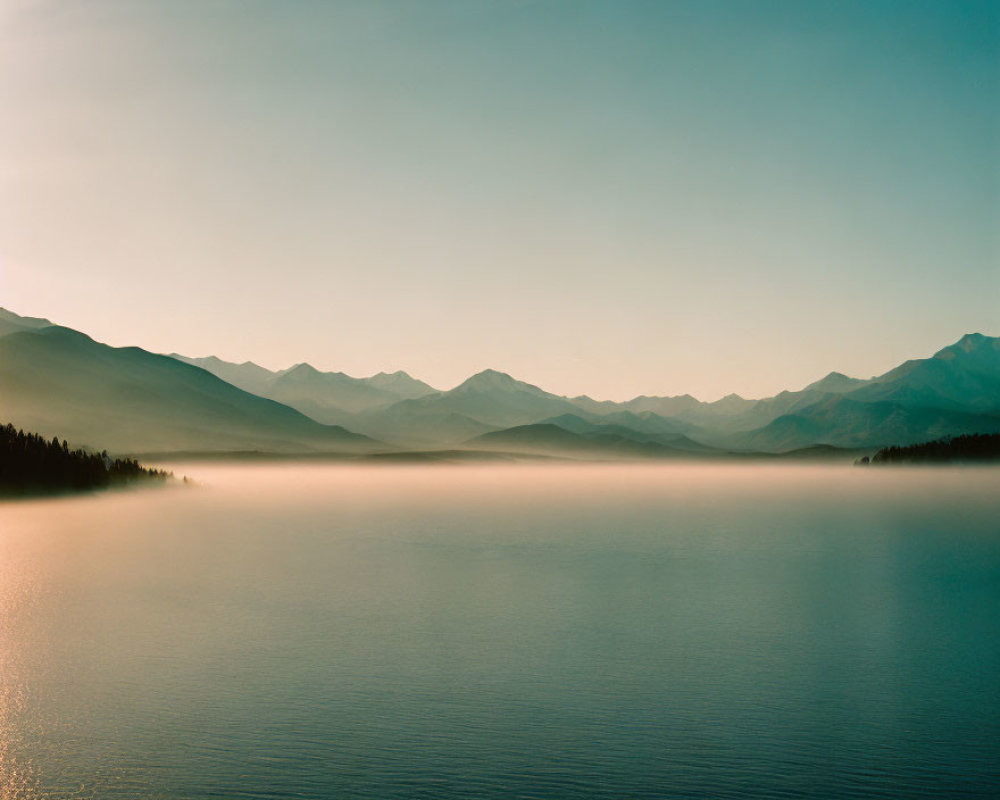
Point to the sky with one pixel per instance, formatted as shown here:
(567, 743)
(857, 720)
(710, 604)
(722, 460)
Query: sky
(603, 198)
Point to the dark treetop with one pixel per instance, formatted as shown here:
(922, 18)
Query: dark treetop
(29, 463)
(974, 447)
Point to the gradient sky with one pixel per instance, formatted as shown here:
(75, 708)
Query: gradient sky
(610, 198)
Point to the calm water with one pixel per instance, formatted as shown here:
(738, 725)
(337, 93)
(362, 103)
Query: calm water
(518, 632)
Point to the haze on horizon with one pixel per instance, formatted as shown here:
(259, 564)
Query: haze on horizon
(609, 199)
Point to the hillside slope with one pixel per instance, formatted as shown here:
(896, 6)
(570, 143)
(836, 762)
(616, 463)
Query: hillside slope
(59, 381)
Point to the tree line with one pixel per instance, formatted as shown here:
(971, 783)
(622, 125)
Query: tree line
(29, 462)
(971, 447)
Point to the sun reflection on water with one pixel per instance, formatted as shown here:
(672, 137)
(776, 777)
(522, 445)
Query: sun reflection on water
(322, 631)
(18, 778)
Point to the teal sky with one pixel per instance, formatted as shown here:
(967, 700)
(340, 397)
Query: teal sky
(609, 198)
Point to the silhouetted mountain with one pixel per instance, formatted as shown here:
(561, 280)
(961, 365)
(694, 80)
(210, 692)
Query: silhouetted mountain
(12, 323)
(662, 406)
(422, 427)
(56, 380)
(728, 413)
(964, 376)
(731, 404)
(554, 440)
(624, 424)
(955, 392)
(328, 397)
(489, 399)
(400, 384)
(720, 429)
(490, 381)
(591, 406)
(844, 422)
(645, 421)
(835, 383)
(247, 376)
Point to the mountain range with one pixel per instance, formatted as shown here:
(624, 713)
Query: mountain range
(61, 382)
(327, 397)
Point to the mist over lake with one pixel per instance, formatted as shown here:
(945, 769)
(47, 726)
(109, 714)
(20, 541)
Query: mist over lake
(544, 631)
(456, 400)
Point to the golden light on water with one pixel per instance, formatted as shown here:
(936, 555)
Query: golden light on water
(287, 622)
(18, 780)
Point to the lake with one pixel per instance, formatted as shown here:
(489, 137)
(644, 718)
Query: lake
(515, 631)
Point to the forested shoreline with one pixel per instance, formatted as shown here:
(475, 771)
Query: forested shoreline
(972, 447)
(29, 463)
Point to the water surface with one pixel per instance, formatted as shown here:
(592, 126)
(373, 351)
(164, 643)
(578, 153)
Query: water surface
(660, 631)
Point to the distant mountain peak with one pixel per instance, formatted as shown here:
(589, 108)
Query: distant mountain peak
(685, 397)
(492, 374)
(10, 321)
(491, 379)
(732, 397)
(400, 383)
(302, 369)
(971, 344)
(398, 375)
(973, 341)
(730, 404)
(215, 361)
(836, 383)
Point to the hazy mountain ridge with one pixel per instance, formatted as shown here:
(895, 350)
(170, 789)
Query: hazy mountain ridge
(654, 433)
(400, 384)
(12, 323)
(835, 383)
(551, 439)
(488, 400)
(954, 392)
(951, 393)
(327, 397)
(965, 375)
(843, 422)
(61, 382)
(247, 376)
